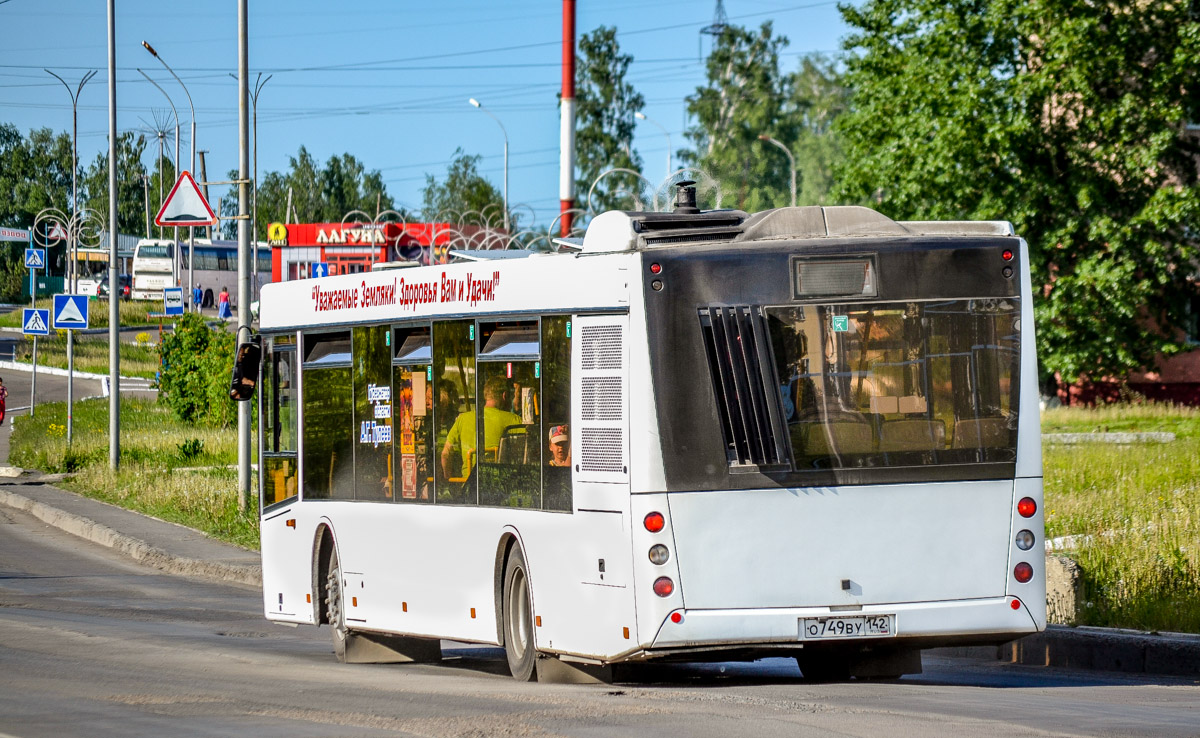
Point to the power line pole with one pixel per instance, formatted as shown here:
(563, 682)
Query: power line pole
(243, 243)
(566, 141)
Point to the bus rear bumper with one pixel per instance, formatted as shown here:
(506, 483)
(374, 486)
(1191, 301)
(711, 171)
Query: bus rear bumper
(921, 624)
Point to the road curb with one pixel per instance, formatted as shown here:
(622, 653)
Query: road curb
(21, 366)
(136, 549)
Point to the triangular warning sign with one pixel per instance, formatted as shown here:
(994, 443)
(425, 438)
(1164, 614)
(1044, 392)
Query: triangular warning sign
(35, 324)
(185, 206)
(70, 314)
(57, 233)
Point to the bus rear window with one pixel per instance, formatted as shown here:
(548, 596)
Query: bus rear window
(897, 384)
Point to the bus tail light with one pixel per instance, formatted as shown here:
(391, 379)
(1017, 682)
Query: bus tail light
(1027, 507)
(1022, 572)
(663, 586)
(654, 522)
(1007, 254)
(1025, 540)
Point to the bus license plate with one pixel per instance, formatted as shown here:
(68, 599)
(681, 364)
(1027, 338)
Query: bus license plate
(867, 626)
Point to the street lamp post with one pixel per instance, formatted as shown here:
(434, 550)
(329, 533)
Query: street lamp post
(192, 168)
(791, 160)
(72, 247)
(642, 116)
(479, 105)
(175, 163)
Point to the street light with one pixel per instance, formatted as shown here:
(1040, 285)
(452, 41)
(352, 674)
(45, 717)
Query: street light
(477, 104)
(72, 248)
(642, 116)
(192, 168)
(791, 160)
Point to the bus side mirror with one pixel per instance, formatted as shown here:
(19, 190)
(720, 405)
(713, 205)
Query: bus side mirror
(245, 369)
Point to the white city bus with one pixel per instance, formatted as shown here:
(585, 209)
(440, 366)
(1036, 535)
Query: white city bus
(153, 268)
(809, 432)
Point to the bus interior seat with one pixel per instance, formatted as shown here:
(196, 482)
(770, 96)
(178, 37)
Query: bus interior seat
(514, 445)
(981, 433)
(912, 435)
(837, 436)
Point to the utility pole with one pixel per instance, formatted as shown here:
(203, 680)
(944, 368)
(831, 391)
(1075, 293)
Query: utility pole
(204, 181)
(243, 243)
(566, 172)
(114, 315)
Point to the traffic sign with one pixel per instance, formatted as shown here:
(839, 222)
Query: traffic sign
(36, 322)
(173, 301)
(57, 233)
(185, 206)
(35, 258)
(70, 311)
(320, 269)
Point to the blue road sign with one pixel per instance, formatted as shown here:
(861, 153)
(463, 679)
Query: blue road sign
(35, 322)
(173, 301)
(70, 311)
(320, 269)
(35, 258)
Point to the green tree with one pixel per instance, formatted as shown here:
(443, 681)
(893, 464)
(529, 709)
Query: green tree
(1066, 117)
(604, 108)
(815, 96)
(197, 367)
(35, 173)
(743, 99)
(464, 194)
(131, 214)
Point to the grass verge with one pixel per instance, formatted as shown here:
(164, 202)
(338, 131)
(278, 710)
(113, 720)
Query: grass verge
(156, 452)
(91, 355)
(1135, 510)
(132, 312)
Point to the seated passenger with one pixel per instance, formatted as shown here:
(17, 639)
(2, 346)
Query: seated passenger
(560, 446)
(461, 437)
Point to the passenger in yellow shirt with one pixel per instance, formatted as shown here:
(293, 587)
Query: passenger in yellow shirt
(495, 420)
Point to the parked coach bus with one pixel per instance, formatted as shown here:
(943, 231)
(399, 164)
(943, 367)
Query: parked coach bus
(809, 432)
(216, 267)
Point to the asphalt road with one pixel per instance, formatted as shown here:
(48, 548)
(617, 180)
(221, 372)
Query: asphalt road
(92, 644)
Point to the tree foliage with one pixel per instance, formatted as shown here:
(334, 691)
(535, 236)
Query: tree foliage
(604, 107)
(464, 195)
(320, 194)
(1066, 117)
(197, 366)
(748, 96)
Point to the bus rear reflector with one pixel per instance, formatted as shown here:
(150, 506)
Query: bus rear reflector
(1007, 254)
(1015, 604)
(654, 522)
(1027, 507)
(1022, 572)
(663, 586)
(676, 617)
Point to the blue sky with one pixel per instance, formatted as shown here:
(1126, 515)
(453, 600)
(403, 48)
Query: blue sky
(385, 80)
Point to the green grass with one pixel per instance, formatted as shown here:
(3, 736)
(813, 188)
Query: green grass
(91, 355)
(132, 312)
(154, 447)
(1137, 510)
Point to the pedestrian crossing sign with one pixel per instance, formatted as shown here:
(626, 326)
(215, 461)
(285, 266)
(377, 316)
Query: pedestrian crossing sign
(35, 322)
(35, 258)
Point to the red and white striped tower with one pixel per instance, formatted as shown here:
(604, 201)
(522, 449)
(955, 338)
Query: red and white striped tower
(566, 172)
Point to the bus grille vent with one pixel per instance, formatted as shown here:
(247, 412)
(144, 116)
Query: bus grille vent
(603, 450)
(601, 398)
(743, 376)
(601, 347)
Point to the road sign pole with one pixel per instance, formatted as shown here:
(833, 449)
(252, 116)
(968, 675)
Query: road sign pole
(70, 382)
(33, 304)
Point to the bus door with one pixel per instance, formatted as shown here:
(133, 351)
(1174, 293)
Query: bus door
(286, 550)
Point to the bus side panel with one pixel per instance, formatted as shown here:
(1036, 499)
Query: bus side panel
(286, 562)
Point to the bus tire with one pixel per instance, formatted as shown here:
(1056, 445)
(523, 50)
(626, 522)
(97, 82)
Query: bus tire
(335, 609)
(517, 612)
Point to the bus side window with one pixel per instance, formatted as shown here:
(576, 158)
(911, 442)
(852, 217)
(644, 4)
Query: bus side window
(328, 417)
(279, 423)
(557, 436)
(454, 413)
(413, 402)
(372, 369)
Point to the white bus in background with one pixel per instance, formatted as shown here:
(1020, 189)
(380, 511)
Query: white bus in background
(153, 268)
(809, 432)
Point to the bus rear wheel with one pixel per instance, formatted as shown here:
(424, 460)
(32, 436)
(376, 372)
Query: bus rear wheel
(517, 612)
(335, 609)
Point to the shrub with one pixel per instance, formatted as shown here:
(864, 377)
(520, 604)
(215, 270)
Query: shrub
(197, 361)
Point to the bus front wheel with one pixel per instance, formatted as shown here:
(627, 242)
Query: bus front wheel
(517, 612)
(335, 608)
